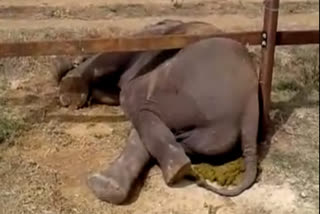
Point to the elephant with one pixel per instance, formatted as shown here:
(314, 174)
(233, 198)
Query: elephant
(198, 100)
(201, 101)
(94, 77)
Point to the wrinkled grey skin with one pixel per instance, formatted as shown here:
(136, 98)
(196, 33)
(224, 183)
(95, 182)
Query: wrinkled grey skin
(198, 102)
(79, 84)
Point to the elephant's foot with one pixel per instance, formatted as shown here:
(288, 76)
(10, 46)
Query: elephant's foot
(114, 184)
(107, 189)
(105, 97)
(175, 170)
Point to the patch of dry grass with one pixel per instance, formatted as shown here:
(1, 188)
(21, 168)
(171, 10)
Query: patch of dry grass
(295, 81)
(32, 183)
(296, 68)
(9, 124)
(295, 151)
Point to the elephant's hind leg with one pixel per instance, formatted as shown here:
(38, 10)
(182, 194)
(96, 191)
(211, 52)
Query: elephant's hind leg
(162, 145)
(249, 131)
(114, 184)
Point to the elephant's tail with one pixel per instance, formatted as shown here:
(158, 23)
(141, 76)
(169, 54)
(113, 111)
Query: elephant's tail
(249, 178)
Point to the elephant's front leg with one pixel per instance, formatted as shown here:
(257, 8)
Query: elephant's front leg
(113, 184)
(162, 145)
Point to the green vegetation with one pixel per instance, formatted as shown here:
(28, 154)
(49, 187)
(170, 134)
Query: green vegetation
(8, 126)
(296, 68)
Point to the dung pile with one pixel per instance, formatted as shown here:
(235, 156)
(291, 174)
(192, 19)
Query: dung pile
(225, 175)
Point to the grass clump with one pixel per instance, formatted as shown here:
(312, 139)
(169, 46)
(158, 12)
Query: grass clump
(8, 126)
(297, 68)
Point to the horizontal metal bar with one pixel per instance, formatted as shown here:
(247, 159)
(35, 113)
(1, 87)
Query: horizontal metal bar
(297, 37)
(79, 47)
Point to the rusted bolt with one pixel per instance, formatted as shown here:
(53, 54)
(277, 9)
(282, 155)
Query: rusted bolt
(264, 35)
(264, 43)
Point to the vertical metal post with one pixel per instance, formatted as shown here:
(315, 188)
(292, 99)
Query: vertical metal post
(271, 11)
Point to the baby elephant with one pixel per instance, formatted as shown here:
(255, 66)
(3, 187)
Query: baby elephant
(201, 102)
(96, 77)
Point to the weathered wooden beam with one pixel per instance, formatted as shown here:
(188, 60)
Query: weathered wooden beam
(78, 47)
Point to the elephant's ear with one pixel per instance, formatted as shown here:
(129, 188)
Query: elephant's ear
(61, 66)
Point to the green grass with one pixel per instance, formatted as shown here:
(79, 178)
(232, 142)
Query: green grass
(10, 124)
(8, 127)
(284, 85)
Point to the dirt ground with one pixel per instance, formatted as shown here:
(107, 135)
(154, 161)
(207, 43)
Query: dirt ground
(51, 150)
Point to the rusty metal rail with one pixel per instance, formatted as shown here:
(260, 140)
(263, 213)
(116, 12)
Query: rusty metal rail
(78, 47)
